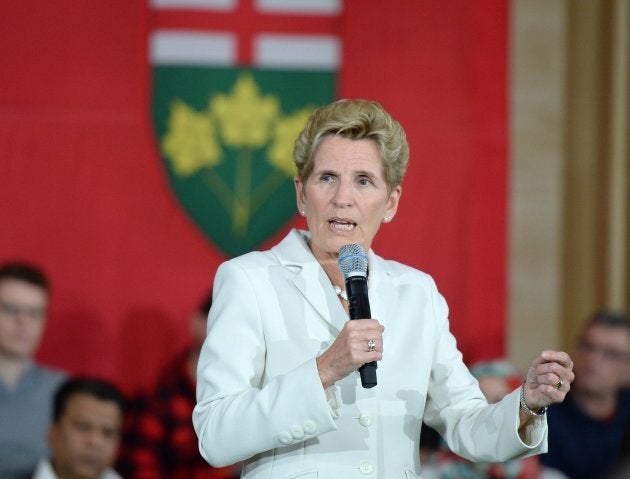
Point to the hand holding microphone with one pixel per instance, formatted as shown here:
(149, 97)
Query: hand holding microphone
(353, 263)
(360, 343)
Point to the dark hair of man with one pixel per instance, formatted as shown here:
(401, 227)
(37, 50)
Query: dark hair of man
(98, 388)
(610, 319)
(26, 272)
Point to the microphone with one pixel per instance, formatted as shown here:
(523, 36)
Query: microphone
(353, 264)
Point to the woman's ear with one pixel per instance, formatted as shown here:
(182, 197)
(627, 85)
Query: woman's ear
(300, 195)
(392, 203)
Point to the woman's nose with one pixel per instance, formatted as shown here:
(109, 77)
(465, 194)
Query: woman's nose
(343, 194)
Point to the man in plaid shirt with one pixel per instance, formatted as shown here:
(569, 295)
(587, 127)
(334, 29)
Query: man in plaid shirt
(160, 441)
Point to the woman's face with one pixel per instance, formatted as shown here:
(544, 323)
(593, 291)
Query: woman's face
(345, 198)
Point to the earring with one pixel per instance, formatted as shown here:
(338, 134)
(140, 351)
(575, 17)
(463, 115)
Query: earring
(303, 213)
(387, 219)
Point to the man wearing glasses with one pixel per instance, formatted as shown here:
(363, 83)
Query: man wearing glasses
(589, 433)
(26, 389)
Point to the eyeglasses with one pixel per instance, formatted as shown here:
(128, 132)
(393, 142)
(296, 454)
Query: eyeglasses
(14, 310)
(610, 354)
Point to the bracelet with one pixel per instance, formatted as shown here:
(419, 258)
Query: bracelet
(541, 412)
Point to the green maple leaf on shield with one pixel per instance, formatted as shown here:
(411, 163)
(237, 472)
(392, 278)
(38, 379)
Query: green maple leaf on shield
(243, 121)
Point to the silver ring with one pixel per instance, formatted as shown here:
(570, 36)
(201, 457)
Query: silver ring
(559, 384)
(371, 344)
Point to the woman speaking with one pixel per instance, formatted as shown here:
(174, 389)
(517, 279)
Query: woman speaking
(278, 386)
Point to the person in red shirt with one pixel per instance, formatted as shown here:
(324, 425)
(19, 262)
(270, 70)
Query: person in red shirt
(160, 441)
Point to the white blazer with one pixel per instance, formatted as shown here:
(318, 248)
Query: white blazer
(260, 399)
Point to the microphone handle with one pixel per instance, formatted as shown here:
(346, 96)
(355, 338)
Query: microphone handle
(359, 308)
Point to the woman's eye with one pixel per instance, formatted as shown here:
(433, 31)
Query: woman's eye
(327, 178)
(364, 181)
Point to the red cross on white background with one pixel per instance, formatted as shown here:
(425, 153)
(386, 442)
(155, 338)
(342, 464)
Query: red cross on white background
(246, 22)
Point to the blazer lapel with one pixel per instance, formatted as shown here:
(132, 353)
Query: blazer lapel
(381, 290)
(309, 278)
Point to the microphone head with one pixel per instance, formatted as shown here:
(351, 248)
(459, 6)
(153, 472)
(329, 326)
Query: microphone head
(352, 260)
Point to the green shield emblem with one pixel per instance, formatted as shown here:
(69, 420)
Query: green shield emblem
(226, 136)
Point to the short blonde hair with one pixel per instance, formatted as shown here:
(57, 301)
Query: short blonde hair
(356, 120)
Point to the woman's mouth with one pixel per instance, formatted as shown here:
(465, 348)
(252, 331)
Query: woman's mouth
(341, 225)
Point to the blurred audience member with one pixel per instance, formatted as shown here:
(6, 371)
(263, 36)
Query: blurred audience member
(161, 442)
(496, 379)
(85, 431)
(588, 430)
(26, 388)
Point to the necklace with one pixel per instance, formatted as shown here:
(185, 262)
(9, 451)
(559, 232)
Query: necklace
(341, 292)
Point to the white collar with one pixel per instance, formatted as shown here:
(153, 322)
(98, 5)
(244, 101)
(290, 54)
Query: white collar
(45, 471)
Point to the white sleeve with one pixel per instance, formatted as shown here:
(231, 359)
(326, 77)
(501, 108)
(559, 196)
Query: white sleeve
(457, 409)
(240, 412)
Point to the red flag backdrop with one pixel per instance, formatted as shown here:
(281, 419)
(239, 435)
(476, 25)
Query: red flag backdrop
(83, 192)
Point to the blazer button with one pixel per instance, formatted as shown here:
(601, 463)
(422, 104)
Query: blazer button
(309, 427)
(285, 438)
(365, 419)
(366, 468)
(297, 432)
